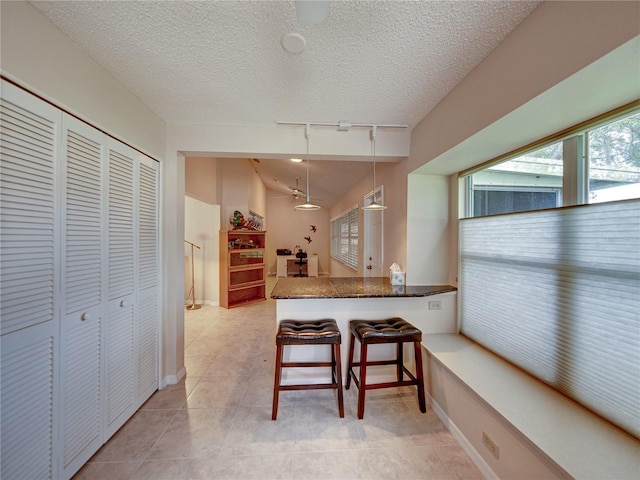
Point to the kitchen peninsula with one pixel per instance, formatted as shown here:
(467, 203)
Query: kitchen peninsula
(431, 308)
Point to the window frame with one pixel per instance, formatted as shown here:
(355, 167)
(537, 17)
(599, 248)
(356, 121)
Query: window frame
(575, 189)
(349, 237)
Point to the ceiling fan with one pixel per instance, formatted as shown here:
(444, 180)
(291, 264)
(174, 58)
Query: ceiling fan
(296, 193)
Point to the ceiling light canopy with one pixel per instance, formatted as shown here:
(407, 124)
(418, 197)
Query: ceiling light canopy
(293, 42)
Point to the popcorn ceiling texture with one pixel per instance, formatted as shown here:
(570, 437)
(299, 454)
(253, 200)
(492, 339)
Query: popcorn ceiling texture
(221, 62)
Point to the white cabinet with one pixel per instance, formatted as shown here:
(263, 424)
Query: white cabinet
(79, 286)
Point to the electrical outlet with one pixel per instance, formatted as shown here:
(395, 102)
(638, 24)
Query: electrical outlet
(491, 445)
(435, 305)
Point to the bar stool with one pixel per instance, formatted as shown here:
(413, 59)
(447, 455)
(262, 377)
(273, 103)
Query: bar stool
(393, 330)
(308, 332)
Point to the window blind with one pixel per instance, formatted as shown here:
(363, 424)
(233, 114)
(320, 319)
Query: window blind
(344, 238)
(557, 292)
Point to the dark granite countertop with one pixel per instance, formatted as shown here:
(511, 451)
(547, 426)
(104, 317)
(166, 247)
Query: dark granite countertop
(351, 287)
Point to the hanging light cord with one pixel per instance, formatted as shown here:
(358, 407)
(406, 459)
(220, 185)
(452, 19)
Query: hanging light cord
(374, 131)
(307, 135)
(374, 205)
(307, 205)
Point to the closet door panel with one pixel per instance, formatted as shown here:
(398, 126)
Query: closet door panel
(147, 345)
(29, 257)
(84, 218)
(81, 427)
(121, 223)
(28, 147)
(120, 367)
(148, 279)
(28, 403)
(83, 285)
(120, 327)
(148, 225)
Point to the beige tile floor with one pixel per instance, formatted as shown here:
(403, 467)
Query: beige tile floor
(216, 423)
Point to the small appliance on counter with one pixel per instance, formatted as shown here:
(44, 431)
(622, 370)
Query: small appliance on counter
(283, 251)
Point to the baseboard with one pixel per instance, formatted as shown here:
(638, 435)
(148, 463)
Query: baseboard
(174, 379)
(462, 440)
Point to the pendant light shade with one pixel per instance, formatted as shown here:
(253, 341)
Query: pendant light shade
(307, 205)
(374, 206)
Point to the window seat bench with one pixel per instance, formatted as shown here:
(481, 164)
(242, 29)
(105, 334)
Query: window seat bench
(475, 392)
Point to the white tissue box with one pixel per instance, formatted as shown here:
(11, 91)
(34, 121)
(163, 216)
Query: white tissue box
(397, 278)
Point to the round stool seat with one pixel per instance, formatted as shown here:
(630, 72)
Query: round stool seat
(305, 332)
(390, 330)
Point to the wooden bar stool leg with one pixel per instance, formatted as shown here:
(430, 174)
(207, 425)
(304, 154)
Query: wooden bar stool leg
(400, 360)
(276, 382)
(363, 380)
(352, 341)
(419, 375)
(338, 374)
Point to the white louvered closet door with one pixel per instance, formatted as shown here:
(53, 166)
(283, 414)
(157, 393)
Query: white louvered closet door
(148, 279)
(119, 328)
(29, 146)
(83, 287)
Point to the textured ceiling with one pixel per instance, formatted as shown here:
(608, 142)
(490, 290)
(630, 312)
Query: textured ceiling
(222, 63)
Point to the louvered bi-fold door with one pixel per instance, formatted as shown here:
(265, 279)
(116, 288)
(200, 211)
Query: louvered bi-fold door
(148, 278)
(83, 241)
(29, 323)
(119, 327)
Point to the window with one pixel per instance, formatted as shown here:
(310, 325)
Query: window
(614, 161)
(529, 182)
(557, 292)
(592, 163)
(344, 238)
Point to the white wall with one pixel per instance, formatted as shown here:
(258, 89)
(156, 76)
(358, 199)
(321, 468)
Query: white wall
(200, 179)
(391, 176)
(519, 459)
(258, 196)
(202, 226)
(37, 56)
(284, 141)
(547, 75)
(287, 228)
(548, 48)
(428, 230)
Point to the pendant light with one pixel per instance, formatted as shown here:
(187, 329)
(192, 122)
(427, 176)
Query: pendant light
(374, 205)
(307, 205)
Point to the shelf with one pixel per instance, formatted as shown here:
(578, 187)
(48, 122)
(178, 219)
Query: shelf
(246, 257)
(242, 267)
(252, 276)
(245, 296)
